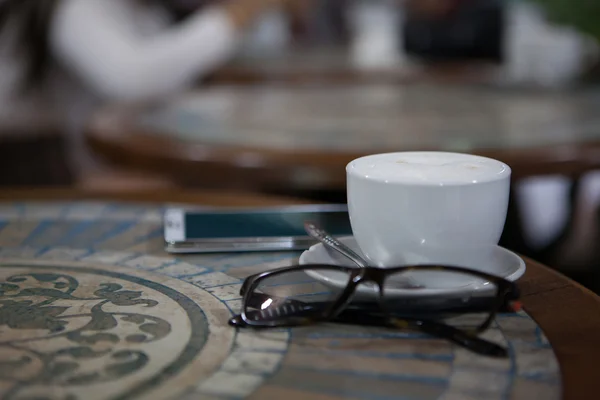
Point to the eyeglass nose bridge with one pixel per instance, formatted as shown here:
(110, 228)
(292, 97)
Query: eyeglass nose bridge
(377, 282)
(375, 276)
(358, 279)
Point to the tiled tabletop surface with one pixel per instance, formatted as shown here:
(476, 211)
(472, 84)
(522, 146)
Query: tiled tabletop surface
(91, 307)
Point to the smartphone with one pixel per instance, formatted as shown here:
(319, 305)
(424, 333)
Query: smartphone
(246, 230)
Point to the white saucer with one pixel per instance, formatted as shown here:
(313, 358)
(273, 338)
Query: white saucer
(503, 263)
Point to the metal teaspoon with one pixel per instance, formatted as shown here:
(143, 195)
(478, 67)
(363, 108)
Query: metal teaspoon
(329, 241)
(322, 236)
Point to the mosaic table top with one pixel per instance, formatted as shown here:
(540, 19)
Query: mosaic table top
(91, 307)
(376, 118)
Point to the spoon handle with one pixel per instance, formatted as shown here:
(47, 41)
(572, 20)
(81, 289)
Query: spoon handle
(329, 241)
(332, 243)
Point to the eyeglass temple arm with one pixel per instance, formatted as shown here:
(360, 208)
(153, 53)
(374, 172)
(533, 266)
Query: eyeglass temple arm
(436, 329)
(281, 306)
(443, 331)
(461, 338)
(256, 300)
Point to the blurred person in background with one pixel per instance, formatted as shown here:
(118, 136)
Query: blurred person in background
(549, 43)
(62, 57)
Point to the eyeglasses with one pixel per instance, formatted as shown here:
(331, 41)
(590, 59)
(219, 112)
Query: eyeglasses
(453, 303)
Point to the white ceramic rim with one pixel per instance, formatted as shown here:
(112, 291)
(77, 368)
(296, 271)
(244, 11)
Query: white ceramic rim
(505, 175)
(362, 289)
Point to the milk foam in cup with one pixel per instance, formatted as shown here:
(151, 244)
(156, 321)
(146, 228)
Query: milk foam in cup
(427, 207)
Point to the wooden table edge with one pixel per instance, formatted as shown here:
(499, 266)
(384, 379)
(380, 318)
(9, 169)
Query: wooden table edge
(569, 316)
(218, 198)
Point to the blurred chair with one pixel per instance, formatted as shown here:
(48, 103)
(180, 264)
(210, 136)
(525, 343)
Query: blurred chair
(33, 152)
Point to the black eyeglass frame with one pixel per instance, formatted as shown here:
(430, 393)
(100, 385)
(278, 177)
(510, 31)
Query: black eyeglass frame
(506, 291)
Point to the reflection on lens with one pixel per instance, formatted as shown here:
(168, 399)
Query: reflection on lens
(295, 294)
(464, 301)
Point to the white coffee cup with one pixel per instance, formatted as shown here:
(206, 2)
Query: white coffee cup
(427, 207)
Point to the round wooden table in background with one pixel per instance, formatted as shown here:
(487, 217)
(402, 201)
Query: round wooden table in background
(568, 314)
(302, 137)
